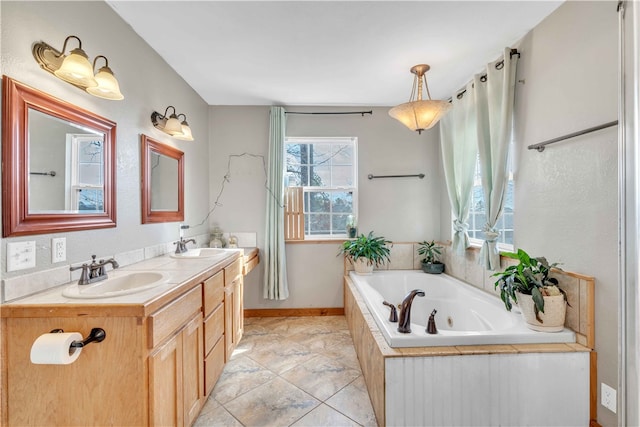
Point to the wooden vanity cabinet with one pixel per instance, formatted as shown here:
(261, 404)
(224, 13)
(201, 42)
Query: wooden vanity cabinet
(213, 310)
(176, 365)
(233, 306)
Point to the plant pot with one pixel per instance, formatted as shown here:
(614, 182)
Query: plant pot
(433, 267)
(555, 309)
(362, 266)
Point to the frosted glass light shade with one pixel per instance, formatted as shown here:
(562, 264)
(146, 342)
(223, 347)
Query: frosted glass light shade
(108, 87)
(186, 133)
(76, 69)
(420, 115)
(173, 126)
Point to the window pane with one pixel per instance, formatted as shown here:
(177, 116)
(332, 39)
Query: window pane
(319, 224)
(342, 154)
(320, 176)
(319, 202)
(339, 224)
(296, 176)
(342, 202)
(320, 154)
(342, 176)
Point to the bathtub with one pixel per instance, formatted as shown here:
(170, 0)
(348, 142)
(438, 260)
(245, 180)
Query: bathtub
(465, 315)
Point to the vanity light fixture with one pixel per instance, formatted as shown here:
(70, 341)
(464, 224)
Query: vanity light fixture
(171, 124)
(419, 114)
(76, 69)
(108, 87)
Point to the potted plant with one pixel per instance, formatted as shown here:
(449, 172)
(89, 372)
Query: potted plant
(542, 303)
(366, 252)
(431, 252)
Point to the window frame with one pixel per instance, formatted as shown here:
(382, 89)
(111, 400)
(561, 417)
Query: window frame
(306, 189)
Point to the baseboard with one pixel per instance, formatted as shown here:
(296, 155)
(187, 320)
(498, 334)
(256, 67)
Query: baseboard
(293, 312)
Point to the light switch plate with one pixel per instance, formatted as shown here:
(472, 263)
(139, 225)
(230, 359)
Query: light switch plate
(21, 255)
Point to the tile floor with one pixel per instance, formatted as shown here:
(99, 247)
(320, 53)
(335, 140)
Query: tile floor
(294, 371)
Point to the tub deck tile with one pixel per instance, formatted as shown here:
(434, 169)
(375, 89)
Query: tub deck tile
(486, 349)
(543, 348)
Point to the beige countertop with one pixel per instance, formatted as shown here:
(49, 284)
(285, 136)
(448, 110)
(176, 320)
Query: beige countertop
(181, 275)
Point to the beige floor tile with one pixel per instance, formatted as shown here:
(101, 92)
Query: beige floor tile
(282, 356)
(325, 416)
(319, 342)
(276, 403)
(238, 377)
(214, 414)
(321, 376)
(353, 401)
(344, 353)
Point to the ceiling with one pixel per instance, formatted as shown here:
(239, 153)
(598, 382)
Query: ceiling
(327, 52)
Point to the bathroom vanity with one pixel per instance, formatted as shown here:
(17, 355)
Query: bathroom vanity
(164, 349)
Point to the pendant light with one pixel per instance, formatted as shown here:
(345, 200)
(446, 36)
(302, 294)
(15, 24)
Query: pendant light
(419, 114)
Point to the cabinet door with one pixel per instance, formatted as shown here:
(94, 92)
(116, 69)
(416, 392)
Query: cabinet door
(238, 311)
(192, 369)
(165, 384)
(228, 322)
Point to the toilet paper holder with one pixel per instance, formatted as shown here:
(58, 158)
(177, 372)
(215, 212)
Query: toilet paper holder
(96, 335)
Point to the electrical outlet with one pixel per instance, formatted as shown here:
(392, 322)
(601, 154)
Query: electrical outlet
(21, 255)
(608, 397)
(58, 249)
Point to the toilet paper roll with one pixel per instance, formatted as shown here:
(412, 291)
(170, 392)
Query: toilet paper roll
(55, 349)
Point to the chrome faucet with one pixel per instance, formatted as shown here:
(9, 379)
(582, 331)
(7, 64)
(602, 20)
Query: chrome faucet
(404, 322)
(181, 245)
(95, 271)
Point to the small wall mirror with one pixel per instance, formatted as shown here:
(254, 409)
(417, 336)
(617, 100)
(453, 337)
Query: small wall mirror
(59, 165)
(162, 182)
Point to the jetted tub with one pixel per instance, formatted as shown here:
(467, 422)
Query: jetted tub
(465, 315)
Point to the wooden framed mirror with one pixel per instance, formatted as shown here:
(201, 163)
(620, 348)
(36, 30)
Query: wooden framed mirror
(162, 182)
(59, 165)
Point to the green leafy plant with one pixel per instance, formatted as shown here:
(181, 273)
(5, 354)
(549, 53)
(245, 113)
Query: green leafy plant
(372, 248)
(529, 277)
(431, 251)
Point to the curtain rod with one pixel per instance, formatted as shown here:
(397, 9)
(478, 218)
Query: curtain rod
(483, 78)
(540, 146)
(419, 175)
(328, 113)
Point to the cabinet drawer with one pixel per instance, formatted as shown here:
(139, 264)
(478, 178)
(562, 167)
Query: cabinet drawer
(213, 328)
(213, 292)
(232, 271)
(213, 365)
(173, 316)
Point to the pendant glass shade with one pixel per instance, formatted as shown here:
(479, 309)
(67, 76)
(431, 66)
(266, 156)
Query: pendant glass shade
(77, 69)
(108, 87)
(419, 114)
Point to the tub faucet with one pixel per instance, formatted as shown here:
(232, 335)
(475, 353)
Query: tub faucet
(404, 322)
(181, 245)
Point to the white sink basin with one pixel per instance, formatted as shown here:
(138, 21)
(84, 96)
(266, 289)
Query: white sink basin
(203, 253)
(121, 284)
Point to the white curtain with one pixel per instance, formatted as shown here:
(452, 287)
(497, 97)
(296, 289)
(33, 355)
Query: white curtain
(275, 271)
(495, 122)
(459, 146)
(480, 123)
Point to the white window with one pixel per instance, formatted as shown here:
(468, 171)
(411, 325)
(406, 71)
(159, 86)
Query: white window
(324, 170)
(478, 214)
(85, 177)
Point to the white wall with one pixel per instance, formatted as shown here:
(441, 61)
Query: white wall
(399, 209)
(147, 83)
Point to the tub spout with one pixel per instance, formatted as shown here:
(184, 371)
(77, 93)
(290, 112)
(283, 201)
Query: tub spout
(393, 316)
(404, 322)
